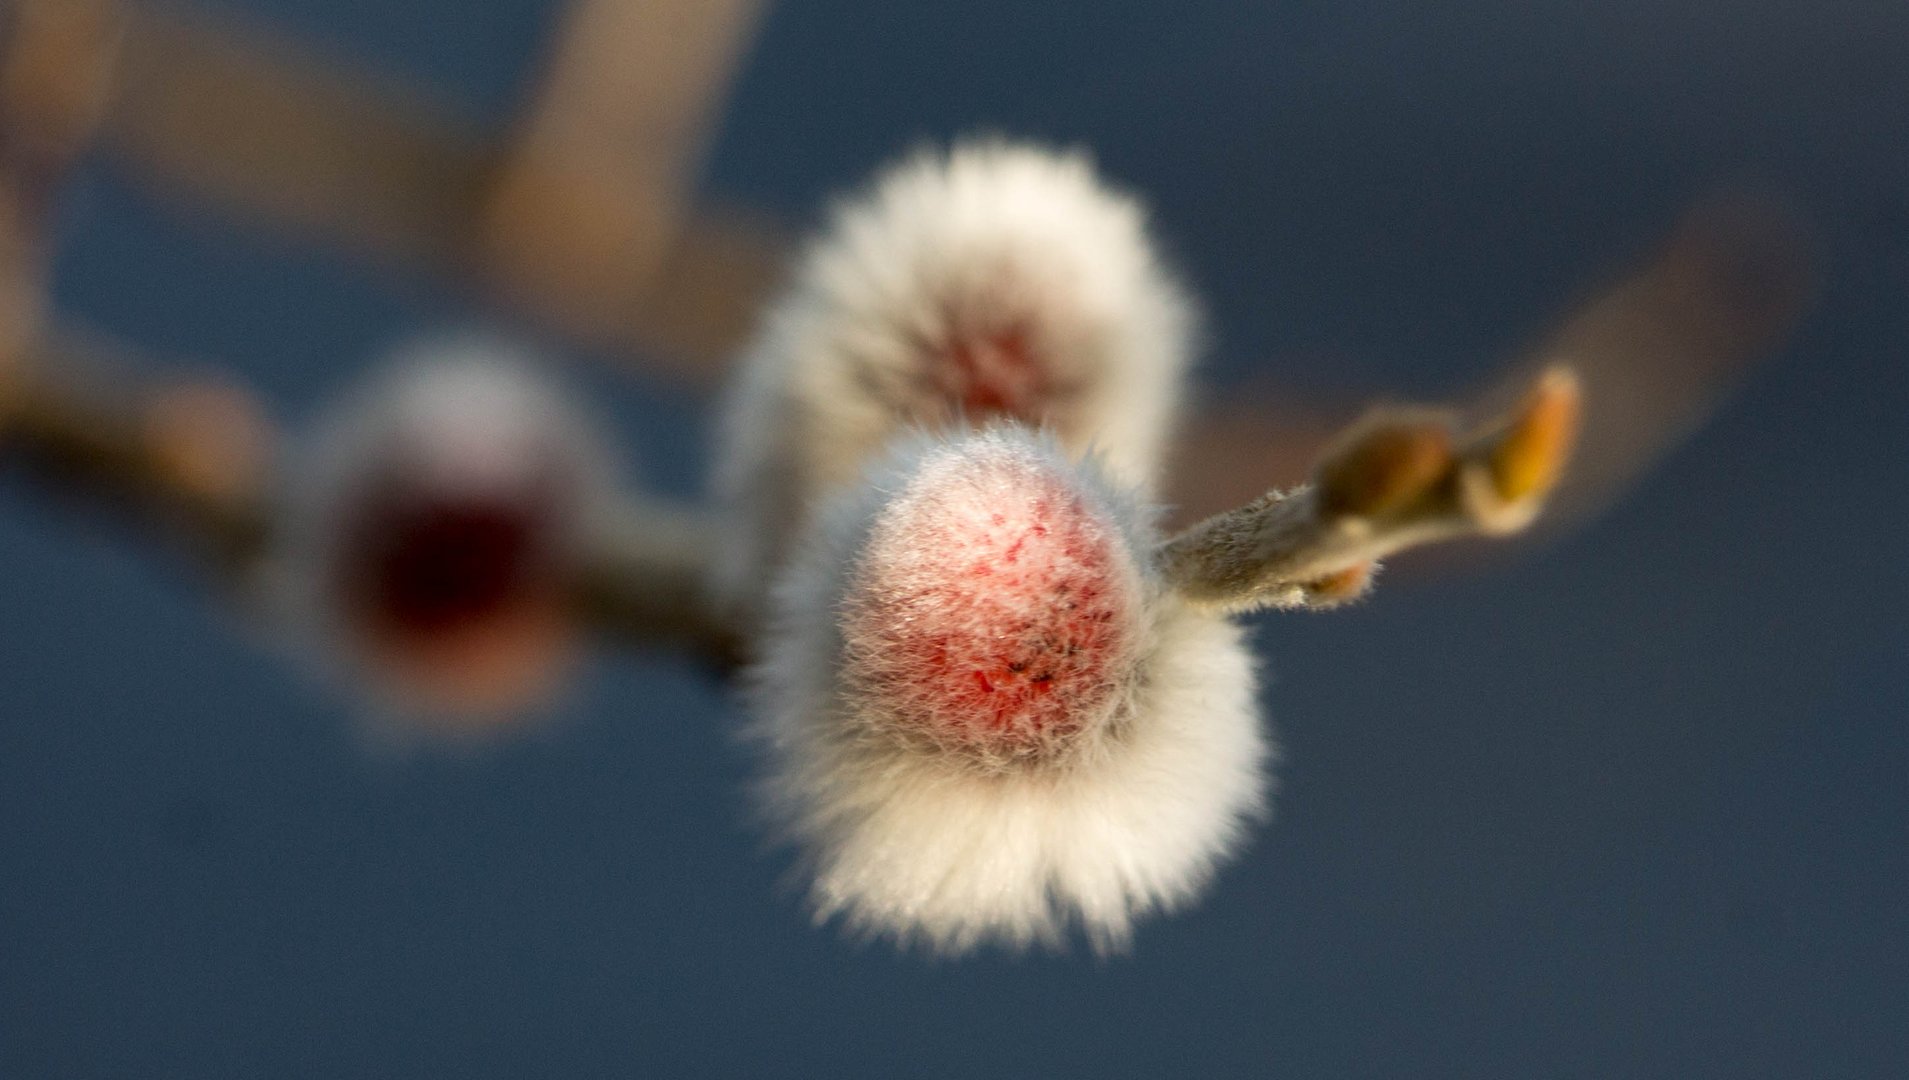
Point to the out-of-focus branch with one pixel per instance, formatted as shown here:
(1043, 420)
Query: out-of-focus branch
(21, 293)
(55, 62)
(1655, 351)
(646, 580)
(598, 178)
(1398, 479)
(240, 119)
(190, 457)
(53, 56)
(637, 84)
(1663, 346)
(195, 460)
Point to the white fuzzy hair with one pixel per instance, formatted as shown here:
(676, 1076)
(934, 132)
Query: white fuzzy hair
(945, 252)
(462, 410)
(904, 840)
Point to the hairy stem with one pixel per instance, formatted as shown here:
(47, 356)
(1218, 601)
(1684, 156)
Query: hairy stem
(1398, 479)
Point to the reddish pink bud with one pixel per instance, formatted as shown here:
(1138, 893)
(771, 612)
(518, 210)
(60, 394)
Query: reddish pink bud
(994, 374)
(994, 610)
(983, 717)
(991, 282)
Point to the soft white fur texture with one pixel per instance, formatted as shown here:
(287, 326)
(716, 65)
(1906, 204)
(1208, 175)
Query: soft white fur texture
(950, 253)
(996, 609)
(459, 410)
(903, 839)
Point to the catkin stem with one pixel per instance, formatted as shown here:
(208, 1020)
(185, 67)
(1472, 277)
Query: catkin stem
(1397, 480)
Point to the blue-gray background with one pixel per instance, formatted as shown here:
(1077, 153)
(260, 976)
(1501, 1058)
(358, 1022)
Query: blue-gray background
(1633, 804)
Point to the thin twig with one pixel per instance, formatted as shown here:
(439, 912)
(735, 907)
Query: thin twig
(194, 461)
(56, 59)
(645, 582)
(244, 120)
(1398, 479)
(54, 55)
(598, 176)
(189, 457)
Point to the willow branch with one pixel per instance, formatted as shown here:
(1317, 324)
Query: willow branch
(242, 120)
(645, 582)
(194, 461)
(56, 57)
(187, 456)
(1398, 479)
(53, 55)
(599, 174)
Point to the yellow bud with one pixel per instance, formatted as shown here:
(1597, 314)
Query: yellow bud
(1340, 586)
(1530, 455)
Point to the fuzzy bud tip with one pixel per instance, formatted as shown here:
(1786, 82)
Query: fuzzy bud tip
(994, 607)
(1531, 454)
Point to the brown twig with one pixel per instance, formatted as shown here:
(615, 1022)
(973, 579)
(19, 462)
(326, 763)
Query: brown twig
(645, 582)
(195, 461)
(56, 57)
(190, 457)
(597, 180)
(244, 120)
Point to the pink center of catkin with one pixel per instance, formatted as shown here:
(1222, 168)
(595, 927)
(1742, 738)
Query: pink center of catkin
(993, 608)
(993, 375)
(456, 598)
(423, 563)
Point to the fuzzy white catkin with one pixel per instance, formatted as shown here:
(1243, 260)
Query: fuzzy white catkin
(905, 838)
(458, 415)
(995, 278)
